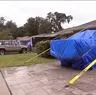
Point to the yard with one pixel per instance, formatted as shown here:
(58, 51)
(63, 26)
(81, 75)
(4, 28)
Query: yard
(13, 60)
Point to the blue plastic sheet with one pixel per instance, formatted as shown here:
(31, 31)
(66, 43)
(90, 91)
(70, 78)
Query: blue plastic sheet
(76, 51)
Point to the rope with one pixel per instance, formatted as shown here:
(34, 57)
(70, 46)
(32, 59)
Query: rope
(36, 56)
(40, 53)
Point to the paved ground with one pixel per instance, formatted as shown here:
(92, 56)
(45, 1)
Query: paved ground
(48, 79)
(3, 88)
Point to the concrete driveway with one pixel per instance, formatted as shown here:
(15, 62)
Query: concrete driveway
(3, 87)
(48, 79)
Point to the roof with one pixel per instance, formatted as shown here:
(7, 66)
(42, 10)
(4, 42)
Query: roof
(40, 35)
(24, 38)
(91, 24)
(45, 35)
(72, 30)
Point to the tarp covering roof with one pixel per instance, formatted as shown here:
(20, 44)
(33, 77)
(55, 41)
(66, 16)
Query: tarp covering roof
(77, 51)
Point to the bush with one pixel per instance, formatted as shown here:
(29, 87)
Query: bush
(41, 47)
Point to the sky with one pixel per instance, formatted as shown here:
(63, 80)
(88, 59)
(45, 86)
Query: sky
(20, 11)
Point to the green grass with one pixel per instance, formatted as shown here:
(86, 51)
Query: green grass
(14, 60)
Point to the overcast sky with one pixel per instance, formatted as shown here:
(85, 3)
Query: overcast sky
(20, 11)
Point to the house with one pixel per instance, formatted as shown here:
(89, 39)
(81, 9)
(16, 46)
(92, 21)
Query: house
(42, 37)
(61, 34)
(36, 38)
(70, 31)
(78, 51)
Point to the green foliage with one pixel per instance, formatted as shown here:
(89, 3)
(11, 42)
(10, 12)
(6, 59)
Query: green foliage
(57, 19)
(2, 20)
(33, 26)
(7, 31)
(5, 34)
(29, 27)
(12, 27)
(42, 46)
(20, 32)
(45, 27)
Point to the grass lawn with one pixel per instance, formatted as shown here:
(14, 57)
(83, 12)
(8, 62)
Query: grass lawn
(14, 60)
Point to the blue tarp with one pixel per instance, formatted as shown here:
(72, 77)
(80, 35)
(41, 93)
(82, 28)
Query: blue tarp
(76, 51)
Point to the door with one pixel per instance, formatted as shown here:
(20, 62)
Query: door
(8, 46)
(16, 46)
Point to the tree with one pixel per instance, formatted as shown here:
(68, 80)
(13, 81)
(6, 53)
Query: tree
(45, 27)
(38, 22)
(56, 19)
(2, 20)
(20, 32)
(5, 34)
(12, 28)
(32, 25)
(10, 24)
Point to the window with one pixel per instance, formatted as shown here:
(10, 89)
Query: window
(7, 43)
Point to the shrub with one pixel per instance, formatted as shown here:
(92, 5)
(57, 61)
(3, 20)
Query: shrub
(41, 47)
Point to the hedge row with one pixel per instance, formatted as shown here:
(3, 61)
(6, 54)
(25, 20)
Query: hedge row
(41, 47)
